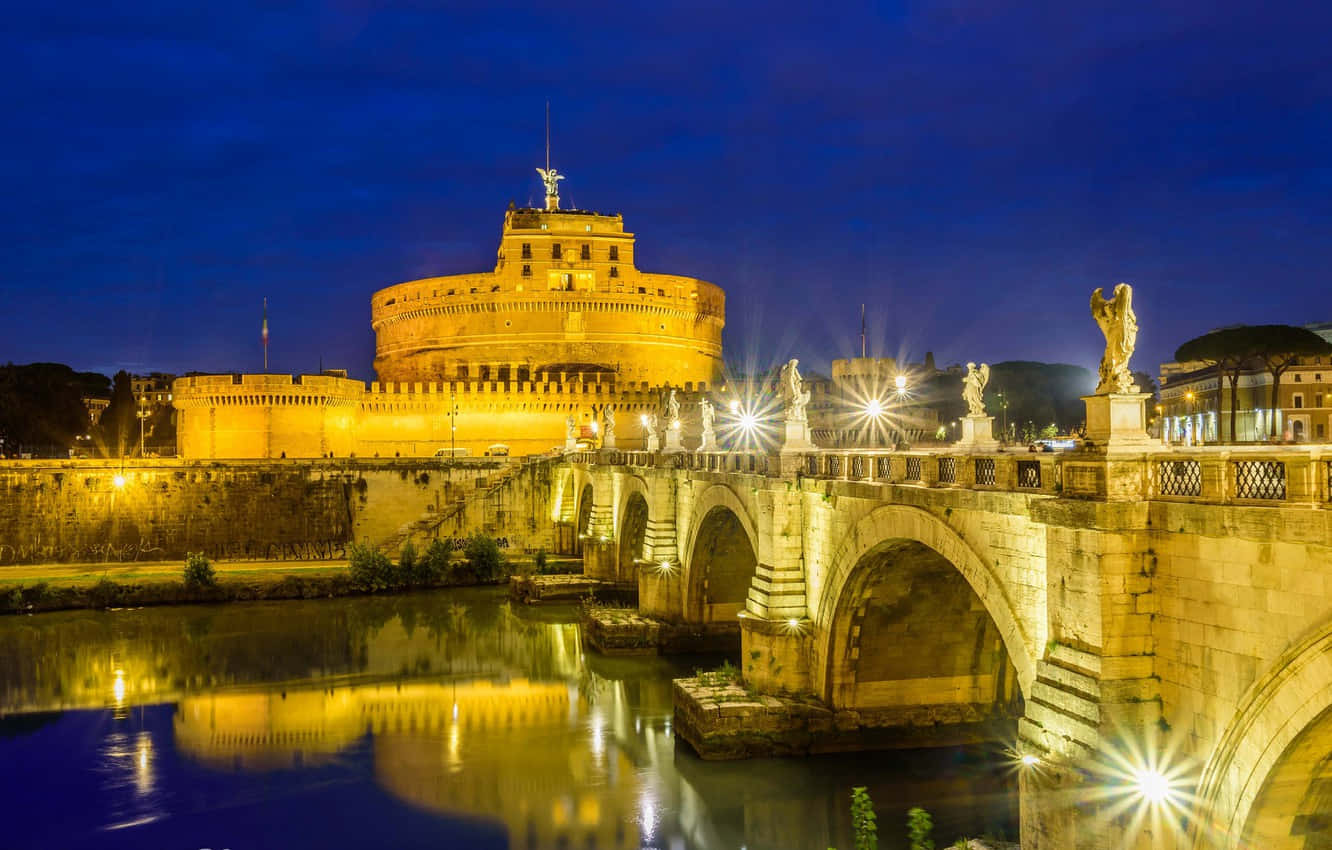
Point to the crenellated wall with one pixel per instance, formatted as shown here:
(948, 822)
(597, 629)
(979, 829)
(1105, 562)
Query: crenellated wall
(313, 416)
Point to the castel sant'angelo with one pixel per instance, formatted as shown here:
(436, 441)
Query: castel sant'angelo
(563, 326)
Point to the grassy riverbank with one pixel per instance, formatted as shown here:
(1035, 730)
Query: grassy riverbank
(58, 587)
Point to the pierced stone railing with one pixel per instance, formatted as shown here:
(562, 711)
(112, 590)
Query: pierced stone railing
(1261, 475)
(1257, 475)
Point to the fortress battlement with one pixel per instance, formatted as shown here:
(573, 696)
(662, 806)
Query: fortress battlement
(564, 325)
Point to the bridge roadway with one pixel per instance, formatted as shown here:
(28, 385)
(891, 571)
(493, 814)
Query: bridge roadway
(1166, 611)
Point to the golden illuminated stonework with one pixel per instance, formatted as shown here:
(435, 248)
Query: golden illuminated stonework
(511, 361)
(565, 296)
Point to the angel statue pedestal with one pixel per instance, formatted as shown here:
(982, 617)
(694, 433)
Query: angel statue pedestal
(978, 434)
(673, 441)
(796, 437)
(653, 442)
(709, 442)
(1117, 423)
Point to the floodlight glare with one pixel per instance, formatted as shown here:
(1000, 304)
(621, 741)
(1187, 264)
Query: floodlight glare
(735, 405)
(900, 382)
(874, 409)
(1152, 785)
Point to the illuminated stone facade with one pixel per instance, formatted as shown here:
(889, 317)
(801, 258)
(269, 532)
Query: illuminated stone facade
(564, 297)
(563, 326)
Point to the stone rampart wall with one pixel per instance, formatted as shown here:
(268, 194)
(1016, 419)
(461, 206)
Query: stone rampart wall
(269, 510)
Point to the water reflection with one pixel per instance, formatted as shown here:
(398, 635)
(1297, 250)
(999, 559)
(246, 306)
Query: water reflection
(455, 705)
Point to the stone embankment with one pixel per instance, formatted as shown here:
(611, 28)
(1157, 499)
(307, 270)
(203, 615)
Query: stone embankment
(148, 587)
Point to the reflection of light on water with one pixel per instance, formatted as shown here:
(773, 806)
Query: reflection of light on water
(118, 689)
(598, 735)
(455, 760)
(647, 814)
(129, 765)
(143, 770)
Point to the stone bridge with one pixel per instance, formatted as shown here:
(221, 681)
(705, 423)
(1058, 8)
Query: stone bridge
(1114, 618)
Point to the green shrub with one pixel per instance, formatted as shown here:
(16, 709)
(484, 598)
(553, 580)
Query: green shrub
(483, 558)
(919, 827)
(199, 572)
(434, 565)
(862, 819)
(370, 569)
(105, 593)
(407, 565)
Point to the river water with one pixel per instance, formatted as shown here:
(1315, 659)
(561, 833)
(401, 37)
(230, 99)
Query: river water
(436, 720)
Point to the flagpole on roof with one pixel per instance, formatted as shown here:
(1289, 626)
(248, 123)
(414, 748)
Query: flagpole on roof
(264, 333)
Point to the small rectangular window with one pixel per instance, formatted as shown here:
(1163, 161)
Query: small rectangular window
(642, 290)
(1299, 401)
(615, 271)
(585, 253)
(615, 253)
(527, 250)
(555, 251)
(661, 292)
(1318, 400)
(527, 271)
(1297, 377)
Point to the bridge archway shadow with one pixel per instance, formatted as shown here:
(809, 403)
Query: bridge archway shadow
(633, 530)
(582, 518)
(915, 654)
(1269, 781)
(722, 564)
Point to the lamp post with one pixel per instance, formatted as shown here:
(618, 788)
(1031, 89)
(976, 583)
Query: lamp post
(1003, 407)
(142, 413)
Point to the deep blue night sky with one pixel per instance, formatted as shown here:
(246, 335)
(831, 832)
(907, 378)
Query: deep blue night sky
(968, 170)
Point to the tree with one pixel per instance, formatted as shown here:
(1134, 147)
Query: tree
(41, 406)
(1038, 392)
(1229, 349)
(113, 429)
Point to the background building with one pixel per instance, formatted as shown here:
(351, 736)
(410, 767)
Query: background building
(1195, 402)
(492, 362)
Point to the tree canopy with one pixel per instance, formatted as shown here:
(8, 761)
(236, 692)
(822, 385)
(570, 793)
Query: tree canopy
(1244, 342)
(41, 406)
(1277, 346)
(1039, 393)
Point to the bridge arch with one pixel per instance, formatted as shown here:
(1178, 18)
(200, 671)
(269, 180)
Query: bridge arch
(721, 551)
(906, 531)
(1268, 783)
(631, 518)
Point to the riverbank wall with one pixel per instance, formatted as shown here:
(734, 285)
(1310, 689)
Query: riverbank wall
(100, 511)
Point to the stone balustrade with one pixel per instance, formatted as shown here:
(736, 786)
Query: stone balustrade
(1258, 475)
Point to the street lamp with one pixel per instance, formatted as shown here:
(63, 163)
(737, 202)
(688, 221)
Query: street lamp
(142, 414)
